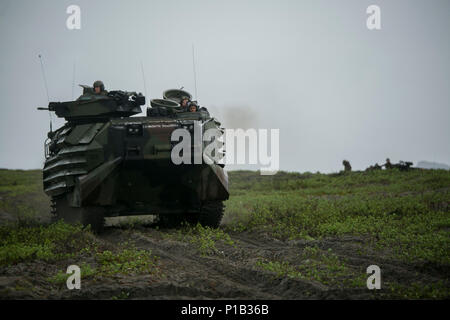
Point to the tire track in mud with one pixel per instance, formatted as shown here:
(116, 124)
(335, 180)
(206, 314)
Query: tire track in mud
(392, 269)
(218, 277)
(229, 274)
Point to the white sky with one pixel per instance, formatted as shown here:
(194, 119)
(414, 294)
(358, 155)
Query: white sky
(309, 68)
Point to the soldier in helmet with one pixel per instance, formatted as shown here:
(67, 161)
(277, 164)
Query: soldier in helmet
(99, 87)
(193, 107)
(388, 164)
(184, 103)
(347, 166)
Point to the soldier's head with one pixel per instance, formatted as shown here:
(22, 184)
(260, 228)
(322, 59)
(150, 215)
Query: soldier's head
(184, 101)
(387, 160)
(193, 107)
(99, 87)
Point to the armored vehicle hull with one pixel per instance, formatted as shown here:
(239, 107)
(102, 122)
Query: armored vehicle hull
(106, 164)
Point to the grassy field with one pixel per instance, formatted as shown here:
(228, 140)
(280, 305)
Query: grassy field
(21, 196)
(399, 218)
(405, 212)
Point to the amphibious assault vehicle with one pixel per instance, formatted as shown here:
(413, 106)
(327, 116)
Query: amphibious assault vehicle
(104, 162)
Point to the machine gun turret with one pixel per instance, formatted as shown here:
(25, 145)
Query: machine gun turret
(403, 165)
(93, 108)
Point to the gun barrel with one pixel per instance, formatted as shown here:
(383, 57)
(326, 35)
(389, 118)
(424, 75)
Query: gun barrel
(42, 108)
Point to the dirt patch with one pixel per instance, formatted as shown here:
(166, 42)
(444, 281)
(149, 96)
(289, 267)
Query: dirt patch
(232, 271)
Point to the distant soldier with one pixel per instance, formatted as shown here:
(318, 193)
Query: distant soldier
(376, 166)
(99, 87)
(347, 166)
(388, 164)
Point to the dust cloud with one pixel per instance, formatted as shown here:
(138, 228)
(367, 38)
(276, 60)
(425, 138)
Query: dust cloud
(236, 117)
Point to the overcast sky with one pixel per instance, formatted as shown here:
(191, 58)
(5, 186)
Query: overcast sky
(312, 69)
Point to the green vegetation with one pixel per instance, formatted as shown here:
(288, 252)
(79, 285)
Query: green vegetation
(317, 265)
(59, 242)
(204, 238)
(122, 296)
(61, 277)
(382, 181)
(126, 260)
(402, 216)
(21, 195)
(405, 213)
(48, 243)
(417, 290)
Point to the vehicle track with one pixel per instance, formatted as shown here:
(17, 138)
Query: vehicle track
(230, 272)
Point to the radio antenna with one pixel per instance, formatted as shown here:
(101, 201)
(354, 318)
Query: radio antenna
(195, 74)
(73, 78)
(46, 88)
(143, 77)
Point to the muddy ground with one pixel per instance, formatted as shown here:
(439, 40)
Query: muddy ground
(228, 273)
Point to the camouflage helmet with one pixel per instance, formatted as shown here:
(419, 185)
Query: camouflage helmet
(100, 84)
(193, 104)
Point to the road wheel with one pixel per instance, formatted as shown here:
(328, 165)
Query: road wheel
(171, 220)
(211, 214)
(62, 211)
(93, 216)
